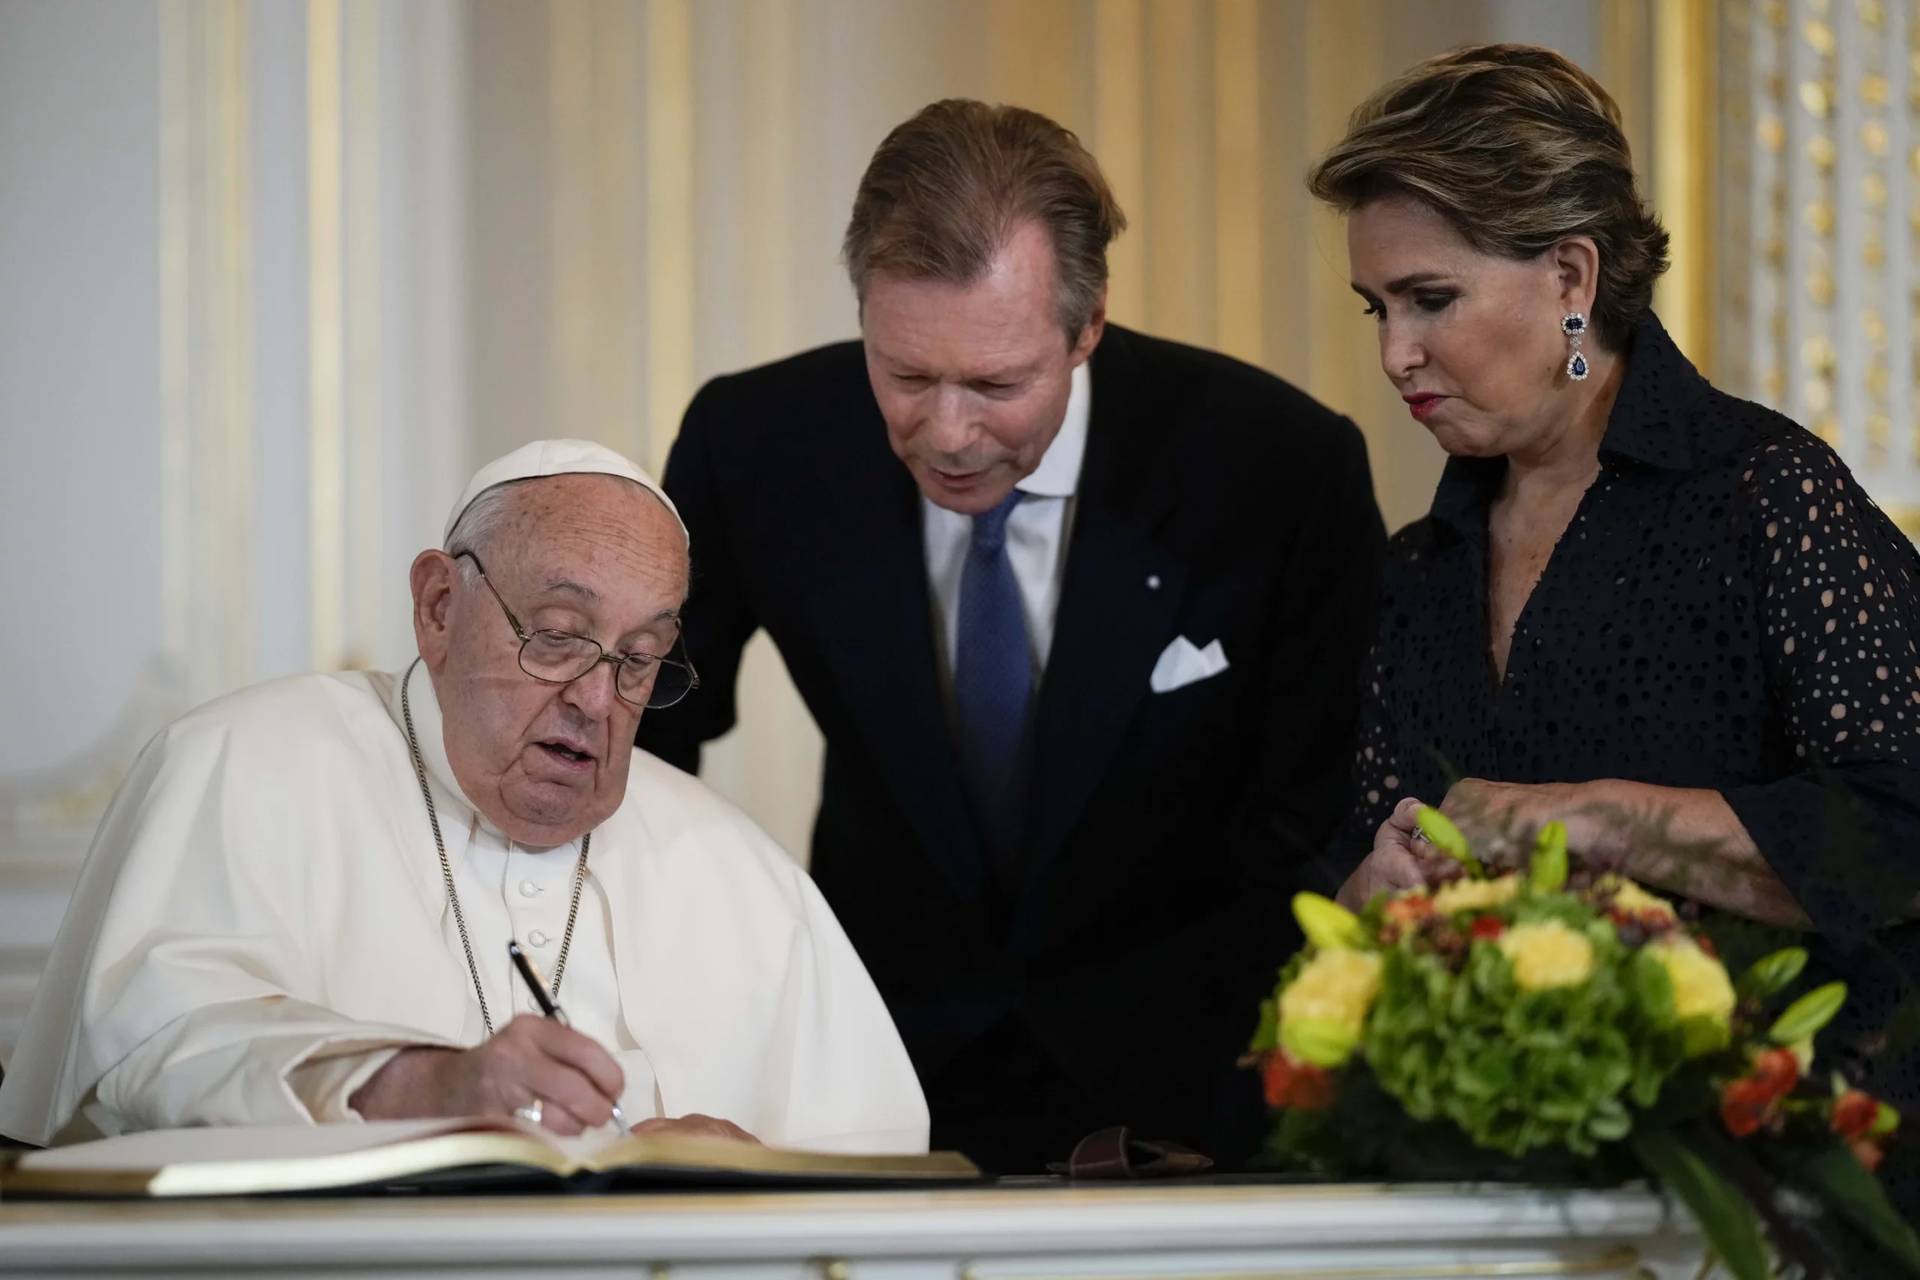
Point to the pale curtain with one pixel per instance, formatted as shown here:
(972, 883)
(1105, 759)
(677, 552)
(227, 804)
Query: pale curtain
(376, 242)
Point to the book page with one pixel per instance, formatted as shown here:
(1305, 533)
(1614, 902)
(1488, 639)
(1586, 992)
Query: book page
(159, 1148)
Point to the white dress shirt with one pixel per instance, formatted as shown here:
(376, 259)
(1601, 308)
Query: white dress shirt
(1037, 536)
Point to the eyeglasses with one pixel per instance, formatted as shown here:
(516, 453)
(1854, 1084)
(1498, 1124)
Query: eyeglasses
(561, 657)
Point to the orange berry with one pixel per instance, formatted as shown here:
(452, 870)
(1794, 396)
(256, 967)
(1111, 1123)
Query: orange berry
(1853, 1114)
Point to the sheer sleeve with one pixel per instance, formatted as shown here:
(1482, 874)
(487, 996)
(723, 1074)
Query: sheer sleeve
(1839, 613)
(1377, 781)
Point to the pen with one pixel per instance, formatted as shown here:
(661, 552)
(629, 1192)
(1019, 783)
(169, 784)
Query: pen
(523, 965)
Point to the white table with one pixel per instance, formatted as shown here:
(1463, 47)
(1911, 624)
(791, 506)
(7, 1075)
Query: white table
(1089, 1233)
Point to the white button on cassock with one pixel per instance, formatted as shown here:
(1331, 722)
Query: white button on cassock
(538, 939)
(528, 889)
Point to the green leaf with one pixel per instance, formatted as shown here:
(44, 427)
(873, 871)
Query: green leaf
(1266, 1035)
(1808, 1014)
(1447, 839)
(1772, 974)
(1723, 1213)
(1700, 1036)
(1856, 1195)
(1320, 1042)
(1653, 988)
(1547, 873)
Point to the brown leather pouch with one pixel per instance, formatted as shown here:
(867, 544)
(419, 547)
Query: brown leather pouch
(1113, 1155)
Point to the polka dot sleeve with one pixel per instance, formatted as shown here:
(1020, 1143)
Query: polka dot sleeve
(1377, 783)
(1838, 611)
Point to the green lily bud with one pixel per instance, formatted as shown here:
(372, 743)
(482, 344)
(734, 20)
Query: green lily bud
(1448, 839)
(1326, 923)
(1808, 1014)
(1547, 873)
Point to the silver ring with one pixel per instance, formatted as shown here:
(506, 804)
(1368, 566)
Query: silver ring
(531, 1112)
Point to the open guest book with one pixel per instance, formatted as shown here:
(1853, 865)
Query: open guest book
(435, 1155)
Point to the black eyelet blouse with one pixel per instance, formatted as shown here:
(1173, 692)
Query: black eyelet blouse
(1727, 610)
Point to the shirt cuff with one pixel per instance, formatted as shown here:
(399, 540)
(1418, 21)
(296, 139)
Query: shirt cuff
(323, 1085)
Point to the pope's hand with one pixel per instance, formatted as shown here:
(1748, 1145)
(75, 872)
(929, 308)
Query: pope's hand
(1401, 859)
(530, 1060)
(695, 1125)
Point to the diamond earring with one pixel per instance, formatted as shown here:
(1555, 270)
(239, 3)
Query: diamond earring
(1574, 325)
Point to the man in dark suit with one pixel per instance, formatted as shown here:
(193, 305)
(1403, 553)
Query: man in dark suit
(1080, 614)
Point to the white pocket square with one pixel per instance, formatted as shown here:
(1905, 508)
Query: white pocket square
(1181, 664)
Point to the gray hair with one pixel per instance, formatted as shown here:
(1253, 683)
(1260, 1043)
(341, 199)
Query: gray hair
(481, 522)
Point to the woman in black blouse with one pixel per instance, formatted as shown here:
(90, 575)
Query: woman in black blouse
(1667, 616)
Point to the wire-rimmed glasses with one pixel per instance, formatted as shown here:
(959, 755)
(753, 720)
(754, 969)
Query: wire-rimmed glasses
(560, 657)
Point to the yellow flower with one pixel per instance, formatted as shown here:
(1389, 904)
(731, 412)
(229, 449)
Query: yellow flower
(1547, 954)
(1702, 993)
(1701, 988)
(1324, 1007)
(1475, 895)
(1631, 898)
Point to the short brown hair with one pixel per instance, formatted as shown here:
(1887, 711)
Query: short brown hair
(1518, 148)
(947, 188)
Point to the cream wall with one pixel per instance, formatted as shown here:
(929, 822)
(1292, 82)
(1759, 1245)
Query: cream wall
(274, 276)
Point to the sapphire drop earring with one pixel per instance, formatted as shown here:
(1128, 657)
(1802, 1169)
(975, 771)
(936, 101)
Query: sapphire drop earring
(1574, 325)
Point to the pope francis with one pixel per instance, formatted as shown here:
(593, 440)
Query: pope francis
(298, 906)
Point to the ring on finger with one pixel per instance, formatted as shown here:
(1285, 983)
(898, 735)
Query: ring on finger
(531, 1112)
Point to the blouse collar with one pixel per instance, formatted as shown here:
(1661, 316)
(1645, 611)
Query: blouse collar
(1656, 422)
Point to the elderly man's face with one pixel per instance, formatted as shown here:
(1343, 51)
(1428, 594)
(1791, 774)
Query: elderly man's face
(973, 379)
(587, 554)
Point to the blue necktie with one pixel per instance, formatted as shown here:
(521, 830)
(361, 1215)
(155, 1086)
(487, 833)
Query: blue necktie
(992, 672)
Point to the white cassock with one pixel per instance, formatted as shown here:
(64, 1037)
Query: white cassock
(263, 922)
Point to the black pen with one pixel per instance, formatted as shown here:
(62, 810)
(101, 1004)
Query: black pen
(523, 965)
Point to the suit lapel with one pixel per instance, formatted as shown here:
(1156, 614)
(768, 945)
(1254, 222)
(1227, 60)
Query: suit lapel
(873, 612)
(1121, 595)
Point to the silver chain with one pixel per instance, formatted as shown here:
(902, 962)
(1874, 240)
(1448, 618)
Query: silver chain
(446, 869)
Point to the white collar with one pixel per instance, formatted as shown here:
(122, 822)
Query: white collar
(1058, 474)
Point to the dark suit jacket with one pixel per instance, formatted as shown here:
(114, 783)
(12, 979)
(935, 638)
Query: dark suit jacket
(1111, 971)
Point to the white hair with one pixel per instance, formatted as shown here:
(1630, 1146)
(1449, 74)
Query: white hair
(490, 511)
(475, 529)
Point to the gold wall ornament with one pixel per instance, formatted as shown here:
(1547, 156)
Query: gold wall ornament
(1825, 315)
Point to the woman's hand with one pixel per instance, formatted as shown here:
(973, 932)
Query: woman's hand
(1501, 819)
(1401, 859)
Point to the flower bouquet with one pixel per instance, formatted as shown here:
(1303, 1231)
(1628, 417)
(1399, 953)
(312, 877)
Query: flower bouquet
(1523, 1026)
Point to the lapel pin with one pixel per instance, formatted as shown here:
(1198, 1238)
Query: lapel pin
(1153, 582)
